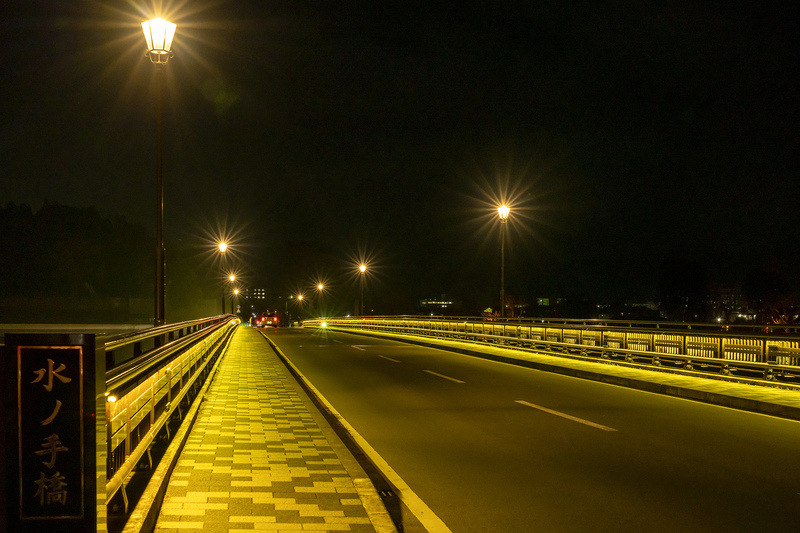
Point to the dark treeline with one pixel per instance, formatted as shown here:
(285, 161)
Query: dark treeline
(61, 251)
(69, 264)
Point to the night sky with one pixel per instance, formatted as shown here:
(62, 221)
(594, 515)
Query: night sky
(622, 134)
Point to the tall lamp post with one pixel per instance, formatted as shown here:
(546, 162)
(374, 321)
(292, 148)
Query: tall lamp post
(503, 211)
(363, 269)
(320, 289)
(223, 247)
(231, 278)
(159, 33)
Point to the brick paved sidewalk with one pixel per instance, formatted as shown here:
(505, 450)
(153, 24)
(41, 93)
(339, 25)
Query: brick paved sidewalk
(260, 457)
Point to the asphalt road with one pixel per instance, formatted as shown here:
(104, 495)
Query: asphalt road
(494, 447)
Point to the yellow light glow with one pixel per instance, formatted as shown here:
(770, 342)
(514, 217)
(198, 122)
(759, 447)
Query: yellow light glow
(232, 277)
(363, 268)
(159, 34)
(236, 291)
(299, 296)
(223, 247)
(112, 399)
(503, 211)
(320, 287)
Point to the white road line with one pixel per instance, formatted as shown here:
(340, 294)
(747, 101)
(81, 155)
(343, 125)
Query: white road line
(389, 358)
(443, 376)
(359, 348)
(564, 415)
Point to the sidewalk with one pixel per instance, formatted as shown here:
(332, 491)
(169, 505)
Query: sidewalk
(261, 457)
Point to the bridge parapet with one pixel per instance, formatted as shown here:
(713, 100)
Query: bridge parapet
(153, 377)
(770, 353)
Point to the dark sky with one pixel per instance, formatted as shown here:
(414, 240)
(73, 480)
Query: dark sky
(621, 133)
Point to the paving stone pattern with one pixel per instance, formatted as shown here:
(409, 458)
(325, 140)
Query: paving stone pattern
(256, 459)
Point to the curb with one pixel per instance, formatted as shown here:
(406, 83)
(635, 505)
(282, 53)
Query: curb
(364, 481)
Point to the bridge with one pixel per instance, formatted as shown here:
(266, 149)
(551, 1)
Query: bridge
(408, 424)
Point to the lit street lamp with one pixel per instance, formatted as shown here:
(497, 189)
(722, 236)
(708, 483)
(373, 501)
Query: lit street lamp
(223, 247)
(159, 33)
(363, 269)
(503, 211)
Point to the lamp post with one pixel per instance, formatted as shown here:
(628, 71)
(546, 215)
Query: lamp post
(231, 278)
(320, 289)
(159, 33)
(503, 212)
(363, 269)
(223, 247)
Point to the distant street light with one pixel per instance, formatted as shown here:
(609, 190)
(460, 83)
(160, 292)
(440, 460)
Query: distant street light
(223, 247)
(503, 212)
(363, 269)
(159, 33)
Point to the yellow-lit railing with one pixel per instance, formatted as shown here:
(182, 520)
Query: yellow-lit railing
(755, 352)
(145, 392)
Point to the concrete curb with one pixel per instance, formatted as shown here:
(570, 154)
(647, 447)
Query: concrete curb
(374, 505)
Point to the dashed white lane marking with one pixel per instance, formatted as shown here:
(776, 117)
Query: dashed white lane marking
(564, 415)
(388, 358)
(443, 376)
(359, 348)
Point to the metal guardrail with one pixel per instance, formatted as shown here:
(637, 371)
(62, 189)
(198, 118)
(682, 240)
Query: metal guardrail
(154, 372)
(763, 352)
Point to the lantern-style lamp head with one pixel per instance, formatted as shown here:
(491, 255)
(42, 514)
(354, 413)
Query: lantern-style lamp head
(223, 247)
(503, 211)
(363, 268)
(158, 33)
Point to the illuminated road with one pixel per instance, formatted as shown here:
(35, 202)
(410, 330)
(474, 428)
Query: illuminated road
(493, 447)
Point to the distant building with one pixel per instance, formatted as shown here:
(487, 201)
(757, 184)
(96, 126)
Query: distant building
(255, 294)
(439, 306)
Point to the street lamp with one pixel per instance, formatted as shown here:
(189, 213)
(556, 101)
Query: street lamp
(363, 269)
(223, 247)
(320, 292)
(503, 212)
(159, 33)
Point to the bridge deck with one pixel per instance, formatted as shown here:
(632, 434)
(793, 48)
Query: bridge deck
(260, 456)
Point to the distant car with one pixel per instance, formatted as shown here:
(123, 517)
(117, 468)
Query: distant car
(268, 319)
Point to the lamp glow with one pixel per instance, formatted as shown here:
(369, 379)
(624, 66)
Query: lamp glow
(503, 211)
(159, 34)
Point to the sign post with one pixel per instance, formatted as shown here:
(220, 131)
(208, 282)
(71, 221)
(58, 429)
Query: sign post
(55, 449)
